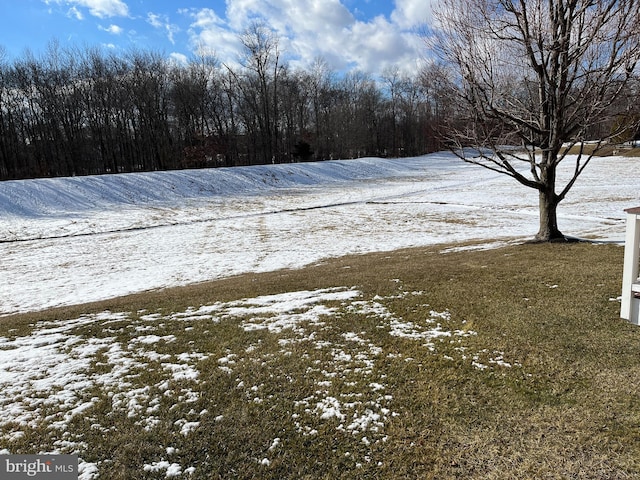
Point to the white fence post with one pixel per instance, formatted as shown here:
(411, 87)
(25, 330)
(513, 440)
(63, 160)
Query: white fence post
(630, 305)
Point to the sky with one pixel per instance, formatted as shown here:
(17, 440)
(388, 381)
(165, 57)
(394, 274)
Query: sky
(368, 35)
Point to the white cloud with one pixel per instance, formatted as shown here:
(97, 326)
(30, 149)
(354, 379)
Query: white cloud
(162, 22)
(97, 8)
(75, 13)
(309, 29)
(377, 44)
(208, 33)
(106, 8)
(411, 13)
(112, 29)
(289, 15)
(179, 58)
(239, 11)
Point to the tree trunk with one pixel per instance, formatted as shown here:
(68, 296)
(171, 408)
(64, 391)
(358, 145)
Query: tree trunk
(548, 231)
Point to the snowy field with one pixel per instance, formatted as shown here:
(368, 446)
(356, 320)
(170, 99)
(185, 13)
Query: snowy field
(72, 240)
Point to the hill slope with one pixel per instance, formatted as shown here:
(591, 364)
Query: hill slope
(73, 240)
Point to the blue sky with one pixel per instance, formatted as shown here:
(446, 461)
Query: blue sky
(365, 34)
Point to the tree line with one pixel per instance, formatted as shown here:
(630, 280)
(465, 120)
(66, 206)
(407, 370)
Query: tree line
(81, 111)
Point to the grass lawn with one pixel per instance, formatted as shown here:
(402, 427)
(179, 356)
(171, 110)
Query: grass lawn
(421, 363)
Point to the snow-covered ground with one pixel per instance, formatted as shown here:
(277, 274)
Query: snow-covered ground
(72, 240)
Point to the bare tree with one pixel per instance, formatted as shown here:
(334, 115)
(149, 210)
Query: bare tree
(441, 105)
(320, 80)
(9, 136)
(409, 120)
(356, 113)
(539, 74)
(259, 87)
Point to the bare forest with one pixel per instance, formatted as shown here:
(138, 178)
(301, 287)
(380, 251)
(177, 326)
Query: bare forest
(84, 111)
(90, 111)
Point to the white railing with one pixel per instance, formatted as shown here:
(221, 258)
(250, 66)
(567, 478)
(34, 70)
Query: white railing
(630, 305)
